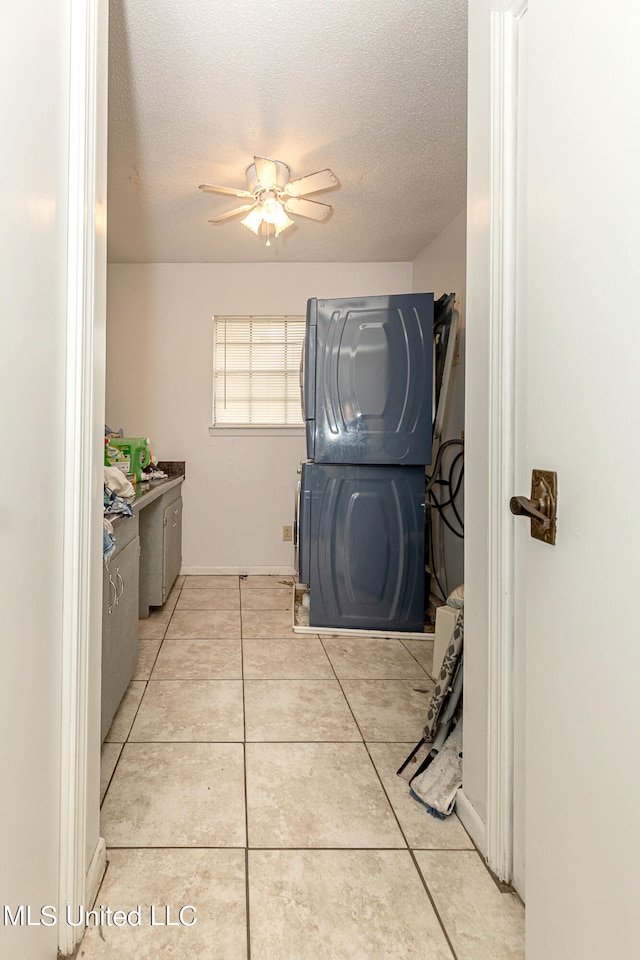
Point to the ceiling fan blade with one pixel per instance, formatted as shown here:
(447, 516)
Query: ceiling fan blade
(233, 213)
(312, 183)
(308, 208)
(267, 172)
(230, 191)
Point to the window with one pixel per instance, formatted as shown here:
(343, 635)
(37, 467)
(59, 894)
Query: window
(256, 371)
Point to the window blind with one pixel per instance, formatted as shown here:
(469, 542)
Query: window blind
(256, 379)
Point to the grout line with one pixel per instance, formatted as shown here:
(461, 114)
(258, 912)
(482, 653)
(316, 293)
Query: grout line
(421, 665)
(433, 904)
(246, 800)
(121, 745)
(289, 849)
(247, 899)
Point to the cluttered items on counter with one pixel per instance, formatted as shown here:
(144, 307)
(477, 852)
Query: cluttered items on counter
(131, 455)
(118, 494)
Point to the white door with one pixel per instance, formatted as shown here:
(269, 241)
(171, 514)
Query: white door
(583, 421)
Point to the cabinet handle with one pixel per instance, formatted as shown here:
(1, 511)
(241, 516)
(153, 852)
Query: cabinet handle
(119, 597)
(115, 594)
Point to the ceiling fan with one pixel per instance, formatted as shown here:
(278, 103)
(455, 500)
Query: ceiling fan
(273, 195)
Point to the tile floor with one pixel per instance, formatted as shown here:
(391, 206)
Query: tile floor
(250, 774)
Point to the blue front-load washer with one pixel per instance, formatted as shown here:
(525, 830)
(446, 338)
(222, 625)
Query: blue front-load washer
(361, 545)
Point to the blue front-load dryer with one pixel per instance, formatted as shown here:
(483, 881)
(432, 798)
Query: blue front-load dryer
(367, 379)
(361, 546)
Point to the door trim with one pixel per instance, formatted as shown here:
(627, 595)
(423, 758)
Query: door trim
(502, 327)
(84, 414)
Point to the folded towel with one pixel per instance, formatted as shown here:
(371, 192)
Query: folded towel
(116, 481)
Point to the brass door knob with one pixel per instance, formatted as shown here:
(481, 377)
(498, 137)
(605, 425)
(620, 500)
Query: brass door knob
(540, 507)
(524, 507)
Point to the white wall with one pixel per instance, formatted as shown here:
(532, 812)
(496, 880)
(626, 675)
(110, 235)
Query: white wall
(441, 267)
(39, 43)
(239, 490)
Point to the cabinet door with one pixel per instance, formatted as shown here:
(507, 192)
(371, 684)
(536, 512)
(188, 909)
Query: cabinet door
(119, 628)
(172, 553)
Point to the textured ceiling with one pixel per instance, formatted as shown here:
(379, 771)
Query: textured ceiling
(373, 89)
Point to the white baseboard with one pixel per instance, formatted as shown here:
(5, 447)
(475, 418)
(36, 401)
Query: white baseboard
(236, 571)
(471, 821)
(96, 871)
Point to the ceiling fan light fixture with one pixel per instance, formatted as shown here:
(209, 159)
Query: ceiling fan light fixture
(268, 212)
(273, 212)
(275, 195)
(253, 220)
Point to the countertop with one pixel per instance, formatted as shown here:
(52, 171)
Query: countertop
(150, 490)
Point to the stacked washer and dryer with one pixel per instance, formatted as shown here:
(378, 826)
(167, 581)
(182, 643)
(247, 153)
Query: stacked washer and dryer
(367, 383)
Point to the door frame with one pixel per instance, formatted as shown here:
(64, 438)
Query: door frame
(81, 869)
(501, 438)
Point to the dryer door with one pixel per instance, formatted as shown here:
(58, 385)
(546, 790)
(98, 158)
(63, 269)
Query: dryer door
(368, 380)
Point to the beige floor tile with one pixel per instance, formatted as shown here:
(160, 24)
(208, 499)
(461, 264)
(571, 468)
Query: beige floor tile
(199, 660)
(204, 625)
(423, 832)
(176, 588)
(169, 605)
(481, 921)
(316, 795)
(204, 599)
(388, 710)
(272, 599)
(422, 650)
(263, 580)
(297, 710)
(108, 759)
(267, 624)
(147, 653)
(342, 905)
(170, 602)
(369, 658)
(212, 881)
(155, 625)
(210, 582)
(207, 711)
(176, 795)
(178, 585)
(302, 658)
(126, 713)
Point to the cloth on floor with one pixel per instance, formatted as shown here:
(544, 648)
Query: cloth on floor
(437, 786)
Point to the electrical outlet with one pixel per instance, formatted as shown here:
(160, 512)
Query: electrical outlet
(287, 533)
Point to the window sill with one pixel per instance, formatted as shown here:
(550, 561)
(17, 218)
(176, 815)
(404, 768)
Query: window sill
(253, 430)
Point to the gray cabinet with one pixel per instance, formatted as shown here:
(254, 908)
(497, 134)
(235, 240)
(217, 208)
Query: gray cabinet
(138, 575)
(172, 545)
(119, 618)
(161, 549)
